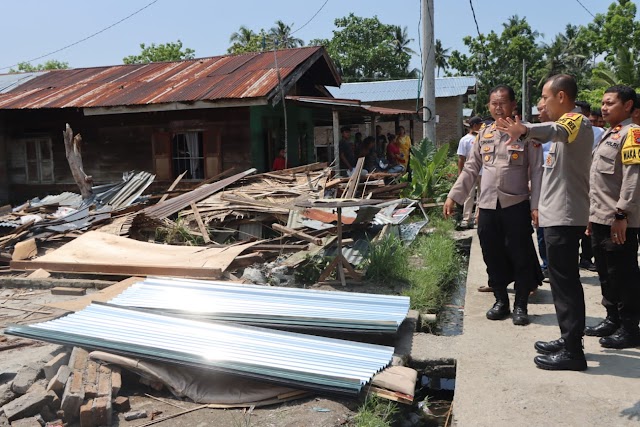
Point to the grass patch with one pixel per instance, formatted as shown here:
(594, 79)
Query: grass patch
(429, 267)
(388, 260)
(375, 412)
(178, 233)
(431, 283)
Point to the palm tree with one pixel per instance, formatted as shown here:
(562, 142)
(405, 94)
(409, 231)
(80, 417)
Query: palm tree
(401, 40)
(442, 56)
(565, 56)
(282, 34)
(243, 37)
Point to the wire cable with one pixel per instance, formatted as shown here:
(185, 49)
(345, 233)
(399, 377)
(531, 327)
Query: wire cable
(585, 8)
(312, 18)
(86, 38)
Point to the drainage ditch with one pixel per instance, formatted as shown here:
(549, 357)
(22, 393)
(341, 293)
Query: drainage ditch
(436, 385)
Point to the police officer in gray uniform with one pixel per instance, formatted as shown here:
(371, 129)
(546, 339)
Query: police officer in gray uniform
(564, 214)
(615, 220)
(506, 205)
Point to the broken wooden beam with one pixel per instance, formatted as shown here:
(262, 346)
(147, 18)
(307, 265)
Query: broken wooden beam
(62, 290)
(120, 270)
(172, 186)
(297, 233)
(203, 229)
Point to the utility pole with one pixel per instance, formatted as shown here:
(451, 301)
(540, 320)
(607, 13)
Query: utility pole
(525, 96)
(428, 72)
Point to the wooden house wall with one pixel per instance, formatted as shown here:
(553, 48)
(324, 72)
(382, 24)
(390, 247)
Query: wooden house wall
(113, 144)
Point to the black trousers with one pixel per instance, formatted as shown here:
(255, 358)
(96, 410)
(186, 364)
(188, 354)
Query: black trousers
(586, 252)
(508, 251)
(566, 289)
(618, 271)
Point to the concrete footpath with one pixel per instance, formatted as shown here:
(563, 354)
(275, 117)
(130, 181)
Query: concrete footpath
(497, 383)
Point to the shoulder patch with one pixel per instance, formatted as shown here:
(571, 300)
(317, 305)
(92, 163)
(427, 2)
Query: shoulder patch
(571, 123)
(631, 147)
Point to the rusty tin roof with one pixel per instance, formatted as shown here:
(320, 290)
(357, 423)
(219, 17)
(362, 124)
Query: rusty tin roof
(213, 79)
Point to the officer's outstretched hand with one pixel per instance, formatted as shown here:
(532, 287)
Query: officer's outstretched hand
(448, 208)
(514, 128)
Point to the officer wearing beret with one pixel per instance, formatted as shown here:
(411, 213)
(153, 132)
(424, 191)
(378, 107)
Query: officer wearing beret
(506, 205)
(615, 220)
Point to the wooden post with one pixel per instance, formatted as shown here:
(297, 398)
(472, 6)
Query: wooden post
(336, 141)
(73, 150)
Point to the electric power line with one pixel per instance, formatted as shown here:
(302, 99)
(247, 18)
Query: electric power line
(585, 8)
(86, 38)
(474, 18)
(312, 18)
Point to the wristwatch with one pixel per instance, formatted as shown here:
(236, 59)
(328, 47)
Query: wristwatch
(620, 215)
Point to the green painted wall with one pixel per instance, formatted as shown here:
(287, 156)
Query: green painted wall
(267, 120)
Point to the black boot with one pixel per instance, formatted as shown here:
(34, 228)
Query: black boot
(605, 328)
(563, 360)
(627, 336)
(520, 315)
(549, 347)
(500, 309)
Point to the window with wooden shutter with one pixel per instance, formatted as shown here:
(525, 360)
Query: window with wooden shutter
(212, 152)
(162, 155)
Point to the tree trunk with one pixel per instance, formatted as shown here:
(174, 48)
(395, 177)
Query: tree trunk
(73, 150)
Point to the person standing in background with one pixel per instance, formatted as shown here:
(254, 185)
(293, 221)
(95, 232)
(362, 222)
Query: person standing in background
(464, 151)
(404, 142)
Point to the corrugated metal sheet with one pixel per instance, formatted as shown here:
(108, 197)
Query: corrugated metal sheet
(298, 360)
(9, 82)
(352, 105)
(217, 78)
(259, 305)
(396, 90)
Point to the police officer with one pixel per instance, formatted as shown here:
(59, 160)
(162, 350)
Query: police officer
(506, 207)
(564, 214)
(615, 220)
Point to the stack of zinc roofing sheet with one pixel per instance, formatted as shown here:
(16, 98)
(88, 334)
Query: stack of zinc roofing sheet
(262, 305)
(293, 359)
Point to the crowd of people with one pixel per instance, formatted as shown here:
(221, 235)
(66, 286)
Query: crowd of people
(385, 153)
(577, 183)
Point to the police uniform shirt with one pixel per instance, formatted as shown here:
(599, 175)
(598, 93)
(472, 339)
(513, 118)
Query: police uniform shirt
(615, 172)
(564, 200)
(506, 170)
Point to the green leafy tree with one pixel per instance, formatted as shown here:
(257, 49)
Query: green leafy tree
(497, 59)
(363, 49)
(616, 35)
(567, 54)
(282, 33)
(245, 40)
(442, 56)
(51, 64)
(401, 41)
(171, 51)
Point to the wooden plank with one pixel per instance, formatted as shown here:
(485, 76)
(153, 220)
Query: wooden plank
(217, 177)
(297, 233)
(25, 250)
(298, 169)
(395, 396)
(172, 186)
(62, 290)
(389, 188)
(203, 229)
(353, 180)
(119, 270)
(288, 178)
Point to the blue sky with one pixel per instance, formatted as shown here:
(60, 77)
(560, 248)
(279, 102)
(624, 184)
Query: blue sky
(32, 28)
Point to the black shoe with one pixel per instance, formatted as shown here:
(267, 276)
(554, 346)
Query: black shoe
(603, 329)
(562, 361)
(549, 347)
(499, 311)
(545, 273)
(587, 265)
(623, 338)
(520, 316)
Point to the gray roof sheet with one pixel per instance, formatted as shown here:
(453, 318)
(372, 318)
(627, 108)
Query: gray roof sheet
(13, 80)
(395, 90)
